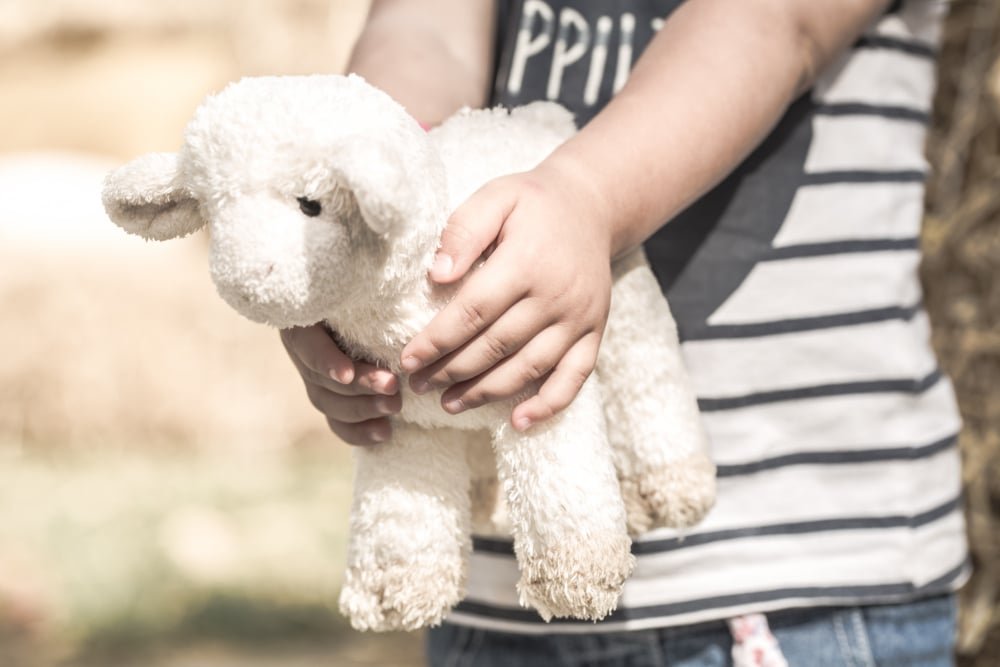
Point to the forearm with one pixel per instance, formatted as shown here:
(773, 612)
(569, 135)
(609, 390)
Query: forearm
(707, 90)
(433, 56)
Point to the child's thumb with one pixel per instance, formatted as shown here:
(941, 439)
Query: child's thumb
(471, 229)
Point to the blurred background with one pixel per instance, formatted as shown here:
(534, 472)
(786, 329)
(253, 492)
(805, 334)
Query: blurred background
(167, 495)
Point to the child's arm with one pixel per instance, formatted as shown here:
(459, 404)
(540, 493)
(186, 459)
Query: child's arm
(709, 87)
(433, 56)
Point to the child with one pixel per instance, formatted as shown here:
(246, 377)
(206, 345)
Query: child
(782, 140)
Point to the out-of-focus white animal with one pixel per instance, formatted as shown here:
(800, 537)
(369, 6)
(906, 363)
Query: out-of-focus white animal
(325, 201)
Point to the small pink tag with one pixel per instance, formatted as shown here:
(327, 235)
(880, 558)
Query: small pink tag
(753, 643)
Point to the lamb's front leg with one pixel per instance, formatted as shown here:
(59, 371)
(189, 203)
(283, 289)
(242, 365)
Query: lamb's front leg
(566, 511)
(409, 542)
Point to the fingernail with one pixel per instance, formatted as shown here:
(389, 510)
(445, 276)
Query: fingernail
(410, 364)
(522, 423)
(385, 405)
(420, 386)
(387, 387)
(343, 377)
(454, 405)
(378, 435)
(442, 265)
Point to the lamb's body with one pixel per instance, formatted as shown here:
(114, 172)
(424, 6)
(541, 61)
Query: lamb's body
(386, 189)
(467, 144)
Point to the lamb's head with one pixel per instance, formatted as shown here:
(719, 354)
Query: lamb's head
(316, 191)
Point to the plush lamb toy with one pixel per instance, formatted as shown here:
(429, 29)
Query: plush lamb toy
(325, 201)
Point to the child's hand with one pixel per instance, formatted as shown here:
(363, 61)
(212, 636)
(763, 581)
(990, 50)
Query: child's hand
(355, 397)
(532, 317)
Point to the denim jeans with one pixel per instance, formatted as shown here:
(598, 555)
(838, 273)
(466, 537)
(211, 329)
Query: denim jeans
(916, 634)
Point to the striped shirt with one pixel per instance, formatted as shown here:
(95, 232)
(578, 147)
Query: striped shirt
(794, 284)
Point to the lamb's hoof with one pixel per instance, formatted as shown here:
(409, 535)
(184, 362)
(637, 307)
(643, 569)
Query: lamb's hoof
(401, 598)
(676, 496)
(580, 578)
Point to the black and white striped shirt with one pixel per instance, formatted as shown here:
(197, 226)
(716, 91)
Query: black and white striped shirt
(795, 288)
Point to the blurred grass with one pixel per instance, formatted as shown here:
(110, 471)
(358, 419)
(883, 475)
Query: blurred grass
(103, 558)
(167, 495)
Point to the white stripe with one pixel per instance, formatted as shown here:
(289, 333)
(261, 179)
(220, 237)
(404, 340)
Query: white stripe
(847, 211)
(918, 19)
(847, 558)
(850, 557)
(868, 143)
(825, 285)
(902, 488)
(883, 77)
(861, 353)
(887, 488)
(852, 422)
(492, 579)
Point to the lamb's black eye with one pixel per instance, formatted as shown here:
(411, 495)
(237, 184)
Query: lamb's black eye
(310, 207)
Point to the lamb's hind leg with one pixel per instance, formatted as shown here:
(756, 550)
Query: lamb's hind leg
(660, 446)
(565, 511)
(409, 531)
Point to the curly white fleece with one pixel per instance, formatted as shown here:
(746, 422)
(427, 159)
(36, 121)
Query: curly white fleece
(629, 454)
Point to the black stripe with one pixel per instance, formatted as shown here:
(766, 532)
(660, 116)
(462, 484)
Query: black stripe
(758, 329)
(907, 385)
(828, 594)
(911, 47)
(882, 111)
(492, 545)
(863, 176)
(839, 457)
(640, 548)
(798, 528)
(839, 248)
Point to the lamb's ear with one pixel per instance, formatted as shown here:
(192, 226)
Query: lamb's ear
(391, 180)
(145, 197)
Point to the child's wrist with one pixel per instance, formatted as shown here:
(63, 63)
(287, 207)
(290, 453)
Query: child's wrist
(565, 174)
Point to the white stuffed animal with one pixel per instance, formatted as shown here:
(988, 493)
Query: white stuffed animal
(325, 201)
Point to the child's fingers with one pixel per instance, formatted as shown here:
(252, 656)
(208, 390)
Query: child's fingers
(370, 432)
(515, 375)
(488, 294)
(370, 379)
(316, 350)
(471, 229)
(494, 344)
(314, 353)
(562, 385)
(352, 409)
